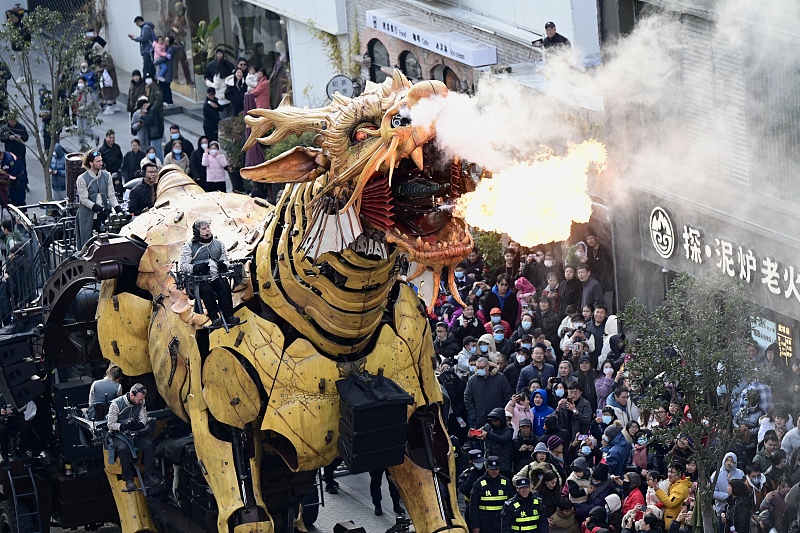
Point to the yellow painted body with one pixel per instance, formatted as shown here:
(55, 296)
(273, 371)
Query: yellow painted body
(291, 391)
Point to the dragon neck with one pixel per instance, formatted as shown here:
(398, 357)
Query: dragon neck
(336, 301)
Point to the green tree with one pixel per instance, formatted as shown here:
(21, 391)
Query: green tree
(45, 41)
(695, 341)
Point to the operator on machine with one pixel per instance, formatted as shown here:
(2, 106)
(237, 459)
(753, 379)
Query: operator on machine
(127, 416)
(206, 256)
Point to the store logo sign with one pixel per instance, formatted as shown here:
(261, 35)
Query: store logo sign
(662, 232)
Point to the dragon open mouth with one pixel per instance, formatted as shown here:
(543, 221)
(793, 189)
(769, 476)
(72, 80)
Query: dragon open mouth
(415, 212)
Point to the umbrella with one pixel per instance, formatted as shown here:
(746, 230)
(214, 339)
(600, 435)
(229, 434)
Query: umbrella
(255, 155)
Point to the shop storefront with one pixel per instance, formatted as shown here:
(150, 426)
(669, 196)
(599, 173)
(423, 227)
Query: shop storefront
(683, 238)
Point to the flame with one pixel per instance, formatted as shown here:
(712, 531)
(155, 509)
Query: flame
(535, 202)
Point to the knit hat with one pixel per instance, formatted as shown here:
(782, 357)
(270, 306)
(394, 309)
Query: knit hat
(600, 472)
(581, 464)
(554, 442)
(525, 422)
(613, 502)
(597, 514)
(611, 432)
(541, 447)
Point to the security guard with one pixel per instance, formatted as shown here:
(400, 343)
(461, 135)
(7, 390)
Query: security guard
(487, 497)
(524, 512)
(468, 478)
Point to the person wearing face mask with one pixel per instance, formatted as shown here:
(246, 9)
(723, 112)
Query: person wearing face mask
(467, 479)
(469, 350)
(216, 163)
(141, 123)
(544, 268)
(150, 157)
(487, 347)
(486, 390)
(501, 343)
(758, 484)
(641, 441)
(177, 157)
(463, 287)
(495, 319)
(466, 323)
(497, 435)
(454, 386)
(633, 497)
(176, 135)
(604, 384)
(198, 171)
(501, 297)
(520, 360)
(616, 449)
(601, 422)
(525, 327)
(86, 109)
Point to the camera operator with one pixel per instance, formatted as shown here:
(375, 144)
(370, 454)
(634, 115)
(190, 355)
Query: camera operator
(576, 334)
(143, 196)
(96, 196)
(127, 420)
(205, 257)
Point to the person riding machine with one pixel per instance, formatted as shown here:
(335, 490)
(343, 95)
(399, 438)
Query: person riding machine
(128, 427)
(204, 272)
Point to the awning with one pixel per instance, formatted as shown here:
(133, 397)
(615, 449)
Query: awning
(430, 37)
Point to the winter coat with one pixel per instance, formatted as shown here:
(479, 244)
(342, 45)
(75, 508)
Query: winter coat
(737, 515)
(592, 293)
(498, 443)
(449, 347)
(596, 498)
(673, 500)
(512, 372)
(58, 163)
(624, 414)
(577, 488)
(145, 39)
(587, 381)
(507, 304)
(518, 412)
(578, 422)
(215, 167)
(134, 92)
(484, 393)
(633, 500)
(569, 293)
(261, 94)
(235, 93)
(170, 159)
(531, 371)
(488, 338)
(540, 412)
(602, 387)
(722, 480)
(617, 453)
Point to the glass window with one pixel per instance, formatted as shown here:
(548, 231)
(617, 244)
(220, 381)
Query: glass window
(410, 66)
(380, 58)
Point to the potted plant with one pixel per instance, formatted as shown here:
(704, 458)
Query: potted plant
(203, 50)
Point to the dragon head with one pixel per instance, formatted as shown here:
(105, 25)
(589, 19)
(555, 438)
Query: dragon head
(370, 159)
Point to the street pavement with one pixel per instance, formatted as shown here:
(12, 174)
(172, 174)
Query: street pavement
(353, 503)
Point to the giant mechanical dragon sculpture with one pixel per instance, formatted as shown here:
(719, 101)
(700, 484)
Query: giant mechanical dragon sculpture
(324, 298)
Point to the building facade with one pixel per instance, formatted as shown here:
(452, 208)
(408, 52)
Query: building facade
(725, 197)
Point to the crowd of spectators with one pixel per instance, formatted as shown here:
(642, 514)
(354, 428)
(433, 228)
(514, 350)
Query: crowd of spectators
(533, 365)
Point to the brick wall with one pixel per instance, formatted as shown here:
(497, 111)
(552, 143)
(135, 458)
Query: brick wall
(507, 51)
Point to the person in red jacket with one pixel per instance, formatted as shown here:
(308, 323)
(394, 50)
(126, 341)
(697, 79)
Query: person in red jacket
(634, 498)
(261, 92)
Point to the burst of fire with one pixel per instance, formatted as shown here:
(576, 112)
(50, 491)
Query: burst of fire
(536, 201)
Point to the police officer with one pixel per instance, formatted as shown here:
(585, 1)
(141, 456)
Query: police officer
(524, 512)
(487, 497)
(127, 415)
(468, 477)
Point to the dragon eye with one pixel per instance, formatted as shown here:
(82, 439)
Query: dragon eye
(362, 132)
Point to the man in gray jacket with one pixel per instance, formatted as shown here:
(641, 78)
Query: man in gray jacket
(145, 39)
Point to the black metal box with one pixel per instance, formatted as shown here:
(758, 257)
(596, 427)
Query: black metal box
(372, 441)
(372, 402)
(366, 462)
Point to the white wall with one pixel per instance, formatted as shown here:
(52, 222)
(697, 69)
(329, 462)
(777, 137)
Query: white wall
(120, 23)
(327, 15)
(309, 64)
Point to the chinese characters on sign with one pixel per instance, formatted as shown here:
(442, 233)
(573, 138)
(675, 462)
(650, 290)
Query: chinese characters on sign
(741, 261)
(784, 339)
